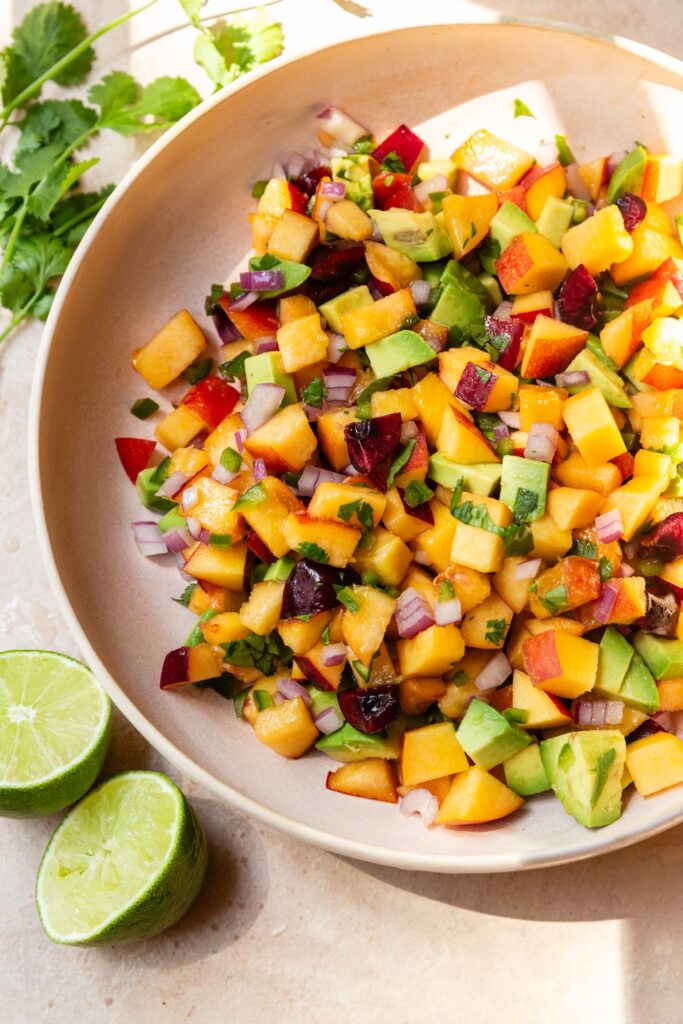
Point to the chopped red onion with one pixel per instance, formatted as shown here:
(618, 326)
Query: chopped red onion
(290, 688)
(412, 614)
(575, 183)
(329, 720)
(336, 397)
(598, 712)
(340, 126)
(333, 189)
(240, 436)
(572, 379)
(172, 484)
(324, 209)
(244, 301)
(528, 569)
(421, 557)
(420, 290)
(336, 346)
(339, 380)
(265, 344)
(260, 471)
(374, 291)
(625, 570)
(312, 412)
(409, 431)
(503, 311)
(314, 475)
(434, 343)
(663, 720)
(422, 802)
(334, 654)
(262, 404)
(500, 432)
(181, 563)
(194, 526)
(510, 419)
(189, 499)
(494, 673)
(609, 526)
(446, 612)
(602, 609)
(149, 539)
(350, 470)
(541, 442)
(177, 540)
(223, 476)
(436, 184)
(204, 536)
(262, 280)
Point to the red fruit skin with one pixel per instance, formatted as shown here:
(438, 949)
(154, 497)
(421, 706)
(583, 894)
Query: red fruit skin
(535, 173)
(403, 198)
(383, 287)
(471, 389)
(666, 271)
(331, 262)
(624, 464)
(370, 711)
(134, 453)
(577, 299)
(309, 181)
(299, 200)
(513, 330)
(407, 146)
(514, 195)
(212, 399)
(501, 698)
(312, 672)
(309, 589)
(422, 511)
(667, 537)
(528, 318)
(633, 210)
(175, 670)
(385, 185)
(261, 550)
(256, 321)
(371, 441)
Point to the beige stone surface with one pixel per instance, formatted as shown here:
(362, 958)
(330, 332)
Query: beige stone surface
(283, 932)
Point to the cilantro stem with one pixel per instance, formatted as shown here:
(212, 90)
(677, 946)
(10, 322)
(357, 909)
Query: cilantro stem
(35, 87)
(14, 235)
(86, 214)
(20, 316)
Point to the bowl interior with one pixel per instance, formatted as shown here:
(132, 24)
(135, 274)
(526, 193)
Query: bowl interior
(179, 224)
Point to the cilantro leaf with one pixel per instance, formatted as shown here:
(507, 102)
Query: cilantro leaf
(517, 537)
(227, 50)
(196, 636)
(35, 261)
(583, 548)
(521, 109)
(310, 550)
(526, 503)
(235, 367)
(603, 763)
(325, 637)
(495, 631)
(417, 493)
(314, 392)
(456, 496)
(399, 462)
(564, 153)
(363, 407)
(126, 108)
(393, 162)
(365, 144)
(346, 597)
(555, 600)
(361, 510)
(186, 595)
(239, 700)
(193, 9)
(261, 652)
(605, 568)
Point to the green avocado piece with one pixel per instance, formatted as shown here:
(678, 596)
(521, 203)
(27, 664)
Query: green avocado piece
(460, 277)
(173, 520)
(664, 658)
(321, 700)
(639, 690)
(147, 483)
(555, 219)
(509, 222)
(334, 309)
(348, 744)
(479, 478)
(398, 352)
(491, 285)
(421, 236)
(457, 308)
(523, 487)
(601, 377)
(268, 368)
(354, 171)
(614, 658)
(432, 272)
(593, 345)
(585, 770)
(487, 736)
(628, 175)
(524, 772)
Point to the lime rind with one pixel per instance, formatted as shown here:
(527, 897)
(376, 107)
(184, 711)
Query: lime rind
(125, 863)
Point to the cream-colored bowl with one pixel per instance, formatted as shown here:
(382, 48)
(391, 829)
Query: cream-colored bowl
(176, 224)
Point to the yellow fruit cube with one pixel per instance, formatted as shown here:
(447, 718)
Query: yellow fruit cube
(302, 342)
(670, 694)
(433, 398)
(214, 509)
(551, 182)
(432, 652)
(286, 728)
(223, 566)
(383, 553)
(223, 629)
(261, 611)
(476, 796)
(543, 711)
(663, 178)
(655, 762)
(285, 443)
(467, 220)
(635, 500)
(401, 400)
(333, 501)
(452, 365)
(430, 753)
(561, 663)
(550, 543)
(573, 509)
(363, 630)
(372, 323)
(303, 634)
(541, 404)
(593, 427)
(390, 265)
(493, 161)
(304, 533)
(398, 519)
(293, 237)
(460, 440)
(660, 431)
(576, 473)
(178, 428)
(331, 436)
(530, 264)
(654, 464)
(294, 307)
(486, 627)
(372, 779)
(650, 249)
(436, 542)
(170, 351)
(266, 517)
(598, 242)
(346, 219)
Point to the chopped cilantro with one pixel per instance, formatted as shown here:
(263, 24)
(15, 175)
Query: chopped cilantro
(495, 631)
(369, 579)
(526, 503)
(196, 636)
(365, 144)
(346, 597)
(605, 568)
(211, 300)
(144, 407)
(521, 109)
(399, 462)
(314, 392)
(186, 595)
(235, 367)
(603, 763)
(325, 637)
(393, 162)
(516, 537)
(583, 548)
(456, 496)
(363, 406)
(488, 252)
(564, 153)
(220, 540)
(473, 230)
(231, 460)
(258, 188)
(417, 493)
(224, 685)
(198, 371)
(446, 591)
(555, 600)
(361, 510)
(261, 652)
(460, 678)
(310, 550)
(239, 700)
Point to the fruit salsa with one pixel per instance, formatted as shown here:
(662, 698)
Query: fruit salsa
(429, 506)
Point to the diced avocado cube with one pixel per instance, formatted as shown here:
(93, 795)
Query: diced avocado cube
(147, 483)
(457, 307)
(429, 169)
(664, 658)
(321, 700)
(487, 736)
(524, 772)
(421, 236)
(491, 285)
(268, 368)
(614, 658)
(398, 352)
(354, 171)
(460, 277)
(349, 744)
(601, 377)
(334, 309)
(523, 487)
(628, 175)
(555, 219)
(509, 222)
(585, 770)
(639, 690)
(173, 520)
(478, 478)
(432, 271)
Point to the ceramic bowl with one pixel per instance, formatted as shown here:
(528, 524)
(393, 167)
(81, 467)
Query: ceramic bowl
(176, 224)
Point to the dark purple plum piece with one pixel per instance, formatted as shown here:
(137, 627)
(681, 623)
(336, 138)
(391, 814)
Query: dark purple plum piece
(648, 728)
(371, 441)
(309, 180)
(475, 386)
(577, 299)
(331, 262)
(422, 511)
(661, 616)
(667, 537)
(372, 710)
(506, 337)
(309, 589)
(633, 210)
(176, 668)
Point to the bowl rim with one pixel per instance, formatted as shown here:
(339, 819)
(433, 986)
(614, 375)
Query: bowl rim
(589, 845)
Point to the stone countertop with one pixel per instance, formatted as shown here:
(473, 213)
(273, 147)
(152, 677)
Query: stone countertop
(284, 932)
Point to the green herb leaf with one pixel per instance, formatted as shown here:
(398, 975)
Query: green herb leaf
(127, 109)
(227, 50)
(198, 371)
(261, 652)
(364, 145)
(393, 162)
(144, 407)
(460, 678)
(603, 763)
(258, 188)
(517, 537)
(496, 630)
(417, 493)
(583, 548)
(314, 392)
(521, 109)
(605, 568)
(346, 597)
(446, 592)
(555, 600)
(516, 716)
(399, 462)
(263, 699)
(526, 503)
(239, 700)
(564, 153)
(456, 496)
(186, 595)
(325, 636)
(196, 636)
(361, 510)
(235, 367)
(363, 407)
(310, 550)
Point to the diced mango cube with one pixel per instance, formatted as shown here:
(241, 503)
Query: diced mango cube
(170, 351)
(593, 427)
(655, 762)
(430, 753)
(598, 242)
(476, 796)
(493, 161)
(432, 652)
(572, 508)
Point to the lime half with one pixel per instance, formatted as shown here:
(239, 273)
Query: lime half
(55, 725)
(125, 863)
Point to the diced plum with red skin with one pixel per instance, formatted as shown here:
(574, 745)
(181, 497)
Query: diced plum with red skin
(422, 511)
(134, 453)
(394, 190)
(309, 589)
(331, 262)
(315, 673)
(256, 321)
(175, 669)
(633, 210)
(383, 287)
(501, 698)
(577, 299)
(261, 550)
(661, 615)
(648, 728)
(372, 441)
(212, 400)
(372, 710)
(309, 180)
(667, 537)
(407, 146)
(475, 386)
(505, 336)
